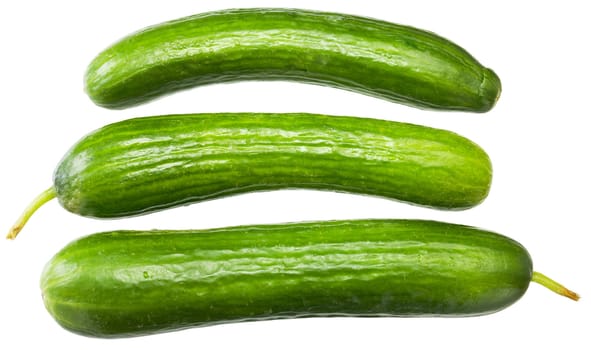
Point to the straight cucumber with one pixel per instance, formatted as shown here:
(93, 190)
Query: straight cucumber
(369, 56)
(146, 164)
(119, 284)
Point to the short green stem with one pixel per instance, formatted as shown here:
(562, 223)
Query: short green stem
(41, 199)
(554, 286)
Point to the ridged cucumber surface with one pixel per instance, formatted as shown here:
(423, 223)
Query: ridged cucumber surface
(123, 283)
(142, 165)
(146, 164)
(373, 57)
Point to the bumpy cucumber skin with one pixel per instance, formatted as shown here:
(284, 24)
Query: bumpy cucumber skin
(126, 283)
(152, 163)
(369, 56)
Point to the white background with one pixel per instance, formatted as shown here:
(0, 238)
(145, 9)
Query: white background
(536, 136)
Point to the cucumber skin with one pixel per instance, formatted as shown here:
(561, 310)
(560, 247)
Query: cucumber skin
(147, 164)
(126, 283)
(376, 58)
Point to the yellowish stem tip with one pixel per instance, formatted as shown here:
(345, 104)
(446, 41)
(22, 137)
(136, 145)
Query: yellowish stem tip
(554, 286)
(14, 230)
(41, 199)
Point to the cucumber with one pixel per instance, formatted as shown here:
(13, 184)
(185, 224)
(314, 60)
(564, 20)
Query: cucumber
(130, 283)
(146, 164)
(369, 56)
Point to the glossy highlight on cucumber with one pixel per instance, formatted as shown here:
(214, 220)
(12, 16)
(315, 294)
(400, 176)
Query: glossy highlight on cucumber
(369, 56)
(142, 165)
(131, 283)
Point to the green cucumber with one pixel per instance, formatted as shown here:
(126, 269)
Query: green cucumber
(369, 56)
(129, 283)
(146, 164)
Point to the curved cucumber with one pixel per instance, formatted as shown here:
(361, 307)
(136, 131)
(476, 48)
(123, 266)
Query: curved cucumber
(373, 57)
(124, 283)
(141, 165)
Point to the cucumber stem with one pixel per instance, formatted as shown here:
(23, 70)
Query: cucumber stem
(41, 199)
(554, 286)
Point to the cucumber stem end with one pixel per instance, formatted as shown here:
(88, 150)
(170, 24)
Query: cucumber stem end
(554, 286)
(41, 199)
